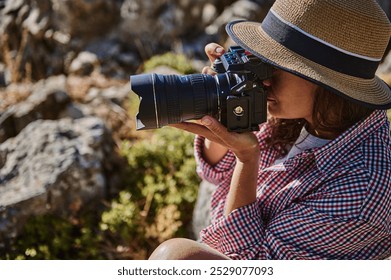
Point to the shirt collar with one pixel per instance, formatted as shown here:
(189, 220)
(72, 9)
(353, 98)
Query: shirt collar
(332, 153)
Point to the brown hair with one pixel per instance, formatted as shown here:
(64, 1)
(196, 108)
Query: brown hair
(332, 115)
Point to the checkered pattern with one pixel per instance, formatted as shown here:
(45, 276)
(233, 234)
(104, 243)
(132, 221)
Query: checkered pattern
(332, 202)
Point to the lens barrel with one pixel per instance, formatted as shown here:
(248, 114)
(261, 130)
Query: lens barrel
(169, 99)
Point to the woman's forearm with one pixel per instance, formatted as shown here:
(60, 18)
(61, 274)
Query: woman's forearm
(243, 185)
(213, 152)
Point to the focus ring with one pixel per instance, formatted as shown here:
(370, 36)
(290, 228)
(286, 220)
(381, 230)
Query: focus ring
(198, 85)
(173, 106)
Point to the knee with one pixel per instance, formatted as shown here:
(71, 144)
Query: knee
(168, 250)
(184, 249)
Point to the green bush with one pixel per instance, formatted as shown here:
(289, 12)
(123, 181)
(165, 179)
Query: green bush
(50, 237)
(161, 190)
(176, 61)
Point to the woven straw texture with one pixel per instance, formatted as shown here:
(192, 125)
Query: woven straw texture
(326, 19)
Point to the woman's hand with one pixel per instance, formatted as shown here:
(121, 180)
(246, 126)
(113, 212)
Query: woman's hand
(245, 145)
(213, 51)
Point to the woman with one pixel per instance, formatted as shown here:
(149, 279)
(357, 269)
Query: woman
(315, 181)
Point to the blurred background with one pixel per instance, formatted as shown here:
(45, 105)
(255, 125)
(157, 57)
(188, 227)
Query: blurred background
(76, 180)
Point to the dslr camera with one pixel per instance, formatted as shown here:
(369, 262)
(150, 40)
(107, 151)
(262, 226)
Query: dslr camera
(235, 95)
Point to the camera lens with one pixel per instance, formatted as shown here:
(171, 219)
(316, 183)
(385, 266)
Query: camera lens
(169, 99)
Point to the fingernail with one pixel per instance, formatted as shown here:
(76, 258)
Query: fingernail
(206, 121)
(219, 50)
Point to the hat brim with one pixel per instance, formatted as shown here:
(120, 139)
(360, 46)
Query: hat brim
(373, 93)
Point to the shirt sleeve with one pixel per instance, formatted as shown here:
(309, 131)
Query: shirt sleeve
(214, 174)
(298, 232)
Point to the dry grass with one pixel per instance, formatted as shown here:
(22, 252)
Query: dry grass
(78, 86)
(14, 94)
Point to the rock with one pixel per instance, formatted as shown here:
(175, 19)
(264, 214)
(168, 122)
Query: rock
(180, 25)
(85, 18)
(201, 213)
(242, 9)
(115, 94)
(108, 105)
(38, 20)
(84, 64)
(4, 76)
(2, 4)
(60, 171)
(12, 6)
(75, 111)
(28, 49)
(47, 100)
(385, 67)
(115, 60)
(40, 37)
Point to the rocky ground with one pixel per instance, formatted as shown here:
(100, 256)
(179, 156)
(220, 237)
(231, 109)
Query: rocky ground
(64, 91)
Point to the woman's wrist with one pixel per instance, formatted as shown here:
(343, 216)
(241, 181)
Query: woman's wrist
(249, 155)
(213, 152)
(243, 186)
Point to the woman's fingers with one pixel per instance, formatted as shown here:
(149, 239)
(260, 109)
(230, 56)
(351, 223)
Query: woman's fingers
(214, 51)
(244, 145)
(211, 129)
(198, 129)
(208, 70)
(216, 127)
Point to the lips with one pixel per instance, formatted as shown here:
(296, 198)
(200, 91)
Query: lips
(271, 99)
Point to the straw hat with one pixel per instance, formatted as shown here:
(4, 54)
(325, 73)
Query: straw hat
(335, 43)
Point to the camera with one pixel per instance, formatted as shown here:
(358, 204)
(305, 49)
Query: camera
(235, 95)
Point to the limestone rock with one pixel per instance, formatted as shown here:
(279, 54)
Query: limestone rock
(51, 166)
(201, 213)
(48, 98)
(84, 64)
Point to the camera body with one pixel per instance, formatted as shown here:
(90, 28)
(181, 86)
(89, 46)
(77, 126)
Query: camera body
(247, 101)
(235, 95)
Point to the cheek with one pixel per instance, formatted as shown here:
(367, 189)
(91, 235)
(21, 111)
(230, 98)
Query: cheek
(294, 106)
(308, 102)
(305, 103)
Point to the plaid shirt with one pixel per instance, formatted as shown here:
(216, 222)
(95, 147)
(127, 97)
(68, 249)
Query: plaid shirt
(332, 202)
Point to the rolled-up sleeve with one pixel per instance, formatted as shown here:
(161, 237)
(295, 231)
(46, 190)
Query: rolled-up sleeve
(236, 234)
(214, 174)
(222, 171)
